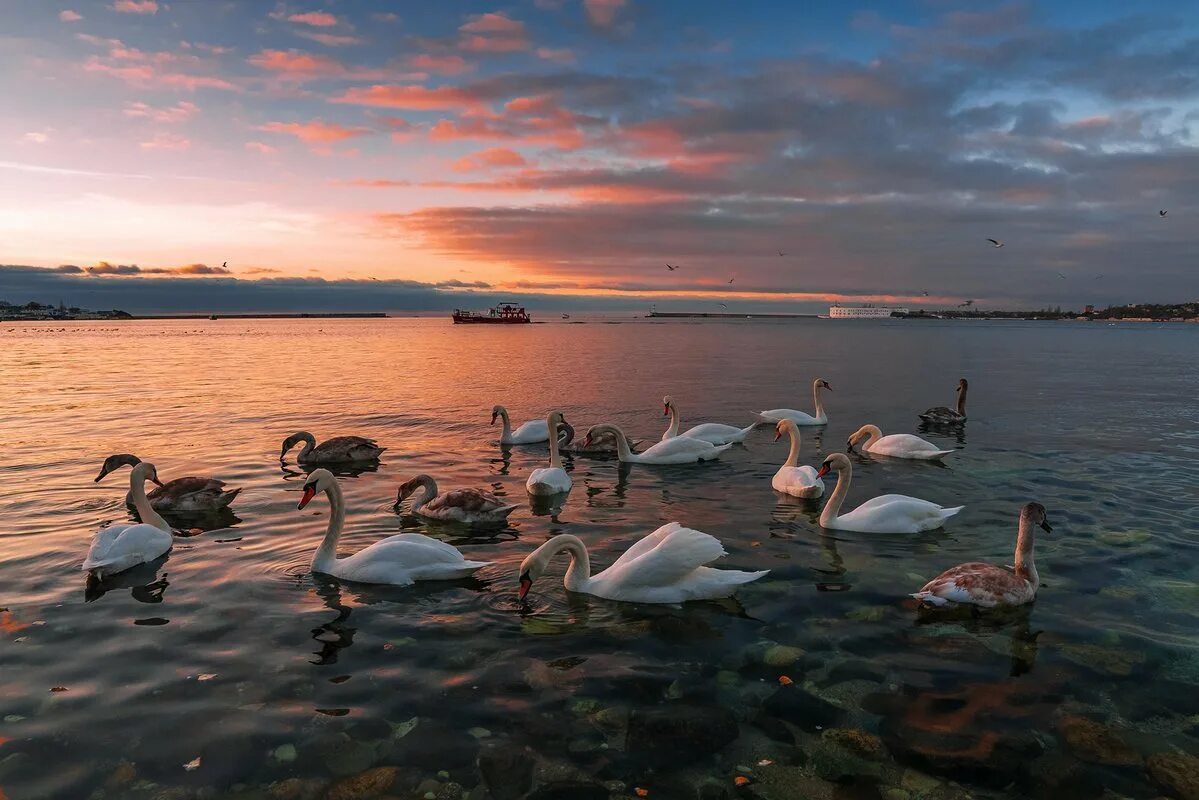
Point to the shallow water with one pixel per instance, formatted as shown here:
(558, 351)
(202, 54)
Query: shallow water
(232, 652)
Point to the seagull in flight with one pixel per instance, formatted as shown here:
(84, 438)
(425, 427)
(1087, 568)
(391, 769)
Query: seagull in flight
(966, 304)
(672, 269)
(995, 242)
(781, 253)
(1100, 275)
(925, 293)
(1062, 275)
(722, 305)
(732, 279)
(224, 265)
(1162, 213)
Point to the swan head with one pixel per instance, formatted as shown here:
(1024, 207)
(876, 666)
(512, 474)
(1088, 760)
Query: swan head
(963, 384)
(835, 462)
(145, 471)
(667, 404)
(821, 383)
(861, 433)
(497, 412)
(783, 426)
(115, 462)
(596, 431)
(1035, 514)
(321, 480)
(293, 440)
(409, 487)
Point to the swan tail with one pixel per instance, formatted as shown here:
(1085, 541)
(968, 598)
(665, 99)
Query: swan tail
(930, 598)
(941, 453)
(504, 511)
(946, 513)
(737, 576)
(225, 498)
(745, 432)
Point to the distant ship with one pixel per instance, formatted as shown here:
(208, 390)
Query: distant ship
(503, 314)
(566, 316)
(864, 312)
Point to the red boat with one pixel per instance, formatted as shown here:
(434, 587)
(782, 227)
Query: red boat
(503, 314)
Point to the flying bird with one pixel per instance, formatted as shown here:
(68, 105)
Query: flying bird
(995, 242)
(925, 293)
(225, 264)
(1062, 275)
(1100, 275)
(732, 279)
(672, 269)
(966, 304)
(1162, 213)
(722, 305)
(781, 253)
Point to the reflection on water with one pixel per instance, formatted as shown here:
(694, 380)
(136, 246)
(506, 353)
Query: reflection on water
(823, 678)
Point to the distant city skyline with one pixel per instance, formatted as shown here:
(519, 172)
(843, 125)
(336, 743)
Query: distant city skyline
(353, 155)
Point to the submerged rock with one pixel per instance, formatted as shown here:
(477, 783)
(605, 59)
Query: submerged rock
(680, 732)
(1092, 741)
(507, 771)
(801, 708)
(1109, 660)
(343, 756)
(367, 784)
(1175, 773)
(782, 782)
(856, 740)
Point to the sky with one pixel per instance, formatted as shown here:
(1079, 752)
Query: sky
(345, 154)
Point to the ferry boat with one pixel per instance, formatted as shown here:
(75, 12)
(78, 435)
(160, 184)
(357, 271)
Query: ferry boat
(502, 314)
(864, 312)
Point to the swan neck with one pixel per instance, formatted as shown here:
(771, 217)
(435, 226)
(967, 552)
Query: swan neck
(962, 401)
(832, 508)
(309, 445)
(622, 443)
(326, 554)
(1025, 564)
(579, 571)
(552, 424)
(873, 435)
(429, 487)
(793, 456)
(673, 430)
(145, 511)
(507, 432)
(816, 399)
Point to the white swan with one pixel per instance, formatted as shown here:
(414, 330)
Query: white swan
(712, 432)
(988, 585)
(118, 547)
(189, 495)
(799, 417)
(791, 478)
(667, 566)
(551, 480)
(679, 450)
(941, 415)
(338, 450)
(896, 445)
(397, 560)
(889, 513)
(468, 506)
(532, 432)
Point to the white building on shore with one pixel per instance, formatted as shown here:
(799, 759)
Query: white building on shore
(863, 312)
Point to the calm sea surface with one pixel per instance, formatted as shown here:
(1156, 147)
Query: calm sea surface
(229, 670)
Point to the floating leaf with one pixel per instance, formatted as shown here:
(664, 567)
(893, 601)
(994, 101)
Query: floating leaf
(339, 679)
(333, 712)
(741, 780)
(206, 676)
(193, 764)
(785, 681)
(59, 689)
(766, 762)
(641, 792)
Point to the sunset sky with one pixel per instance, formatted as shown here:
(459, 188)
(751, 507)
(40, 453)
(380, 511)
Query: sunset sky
(399, 155)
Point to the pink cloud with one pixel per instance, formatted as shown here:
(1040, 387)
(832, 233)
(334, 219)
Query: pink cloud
(135, 6)
(148, 75)
(164, 114)
(69, 16)
(35, 137)
(441, 64)
(315, 131)
(415, 98)
(161, 68)
(166, 141)
(602, 13)
(317, 19)
(562, 55)
(261, 147)
(491, 158)
(297, 65)
(330, 39)
(493, 33)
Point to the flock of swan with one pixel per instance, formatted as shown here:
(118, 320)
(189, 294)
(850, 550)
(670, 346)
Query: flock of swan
(669, 565)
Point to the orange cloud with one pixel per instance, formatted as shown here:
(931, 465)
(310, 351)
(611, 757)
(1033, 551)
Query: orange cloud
(261, 147)
(330, 39)
(317, 19)
(442, 64)
(602, 13)
(562, 55)
(415, 98)
(491, 158)
(315, 131)
(493, 33)
(69, 16)
(297, 65)
(135, 6)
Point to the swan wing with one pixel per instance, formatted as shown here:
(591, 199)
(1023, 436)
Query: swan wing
(531, 432)
(126, 545)
(474, 501)
(352, 448)
(978, 584)
(646, 543)
(675, 554)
